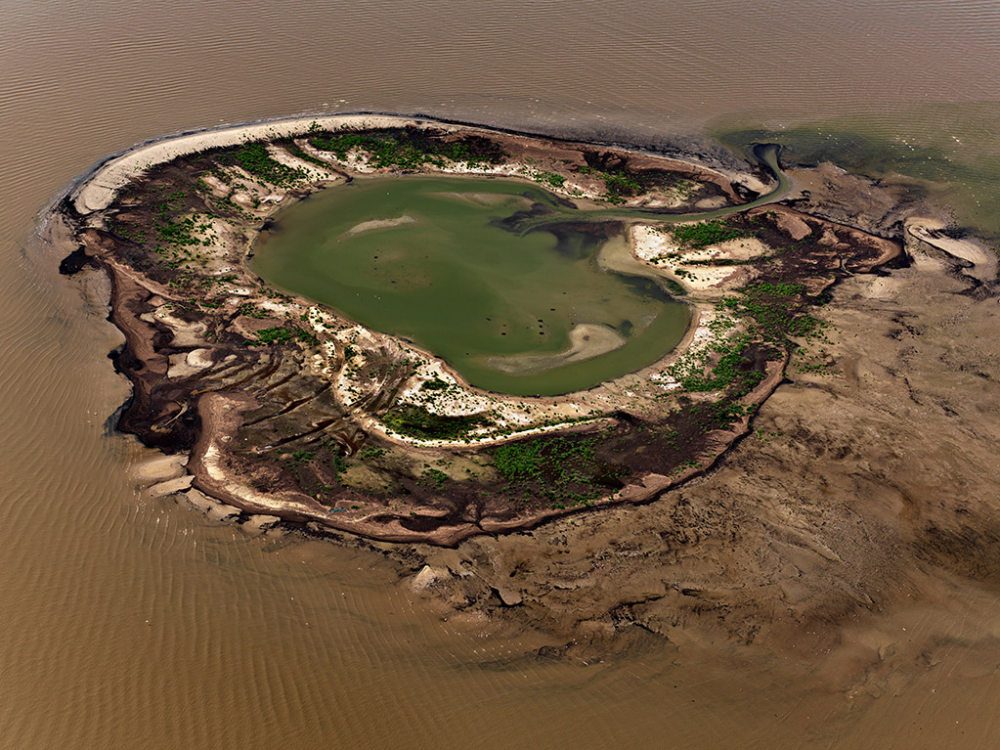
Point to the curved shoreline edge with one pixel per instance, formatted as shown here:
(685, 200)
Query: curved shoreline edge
(117, 168)
(219, 413)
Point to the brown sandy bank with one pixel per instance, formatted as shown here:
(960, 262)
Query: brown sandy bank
(862, 506)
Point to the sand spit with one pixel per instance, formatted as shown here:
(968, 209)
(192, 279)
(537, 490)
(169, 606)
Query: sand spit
(587, 340)
(376, 224)
(288, 409)
(97, 190)
(971, 254)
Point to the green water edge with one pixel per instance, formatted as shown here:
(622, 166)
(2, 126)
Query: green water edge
(947, 153)
(489, 274)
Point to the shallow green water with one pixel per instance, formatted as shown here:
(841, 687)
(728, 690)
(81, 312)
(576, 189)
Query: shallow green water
(950, 151)
(451, 278)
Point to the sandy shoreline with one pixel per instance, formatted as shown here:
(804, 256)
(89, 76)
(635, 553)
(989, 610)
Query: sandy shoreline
(97, 188)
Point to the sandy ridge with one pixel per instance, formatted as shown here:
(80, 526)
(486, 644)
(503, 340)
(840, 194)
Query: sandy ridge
(97, 189)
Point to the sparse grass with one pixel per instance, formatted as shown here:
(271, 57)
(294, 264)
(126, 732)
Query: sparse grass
(549, 179)
(433, 477)
(250, 310)
(619, 183)
(558, 470)
(769, 315)
(371, 452)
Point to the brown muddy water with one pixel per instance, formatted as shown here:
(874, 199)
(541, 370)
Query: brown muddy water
(131, 621)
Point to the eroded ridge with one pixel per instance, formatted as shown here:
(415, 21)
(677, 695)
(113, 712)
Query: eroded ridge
(292, 410)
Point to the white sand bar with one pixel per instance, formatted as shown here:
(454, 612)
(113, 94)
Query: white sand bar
(97, 191)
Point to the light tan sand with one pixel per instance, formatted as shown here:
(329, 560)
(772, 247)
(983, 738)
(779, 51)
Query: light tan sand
(376, 224)
(586, 341)
(709, 278)
(797, 229)
(970, 250)
(98, 190)
(315, 172)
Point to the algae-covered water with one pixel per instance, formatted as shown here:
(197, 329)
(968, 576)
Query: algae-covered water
(442, 261)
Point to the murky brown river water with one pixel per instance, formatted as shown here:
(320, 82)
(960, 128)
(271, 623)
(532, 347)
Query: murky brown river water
(129, 621)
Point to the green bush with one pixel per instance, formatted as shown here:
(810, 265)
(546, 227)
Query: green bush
(283, 335)
(705, 233)
(255, 159)
(416, 421)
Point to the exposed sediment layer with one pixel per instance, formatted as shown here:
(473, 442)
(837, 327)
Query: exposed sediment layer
(290, 410)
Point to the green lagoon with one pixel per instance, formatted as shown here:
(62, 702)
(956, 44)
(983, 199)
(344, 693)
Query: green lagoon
(451, 264)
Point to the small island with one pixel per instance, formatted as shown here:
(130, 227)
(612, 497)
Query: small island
(617, 316)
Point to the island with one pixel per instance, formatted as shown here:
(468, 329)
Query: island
(413, 330)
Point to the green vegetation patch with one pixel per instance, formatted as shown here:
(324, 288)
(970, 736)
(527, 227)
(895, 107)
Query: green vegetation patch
(409, 149)
(416, 421)
(770, 314)
(435, 384)
(433, 478)
(705, 233)
(182, 232)
(619, 183)
(370, 452)
(282, 335)
(559, 470)
(776, 311)
(255, 159)
(550, 178)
